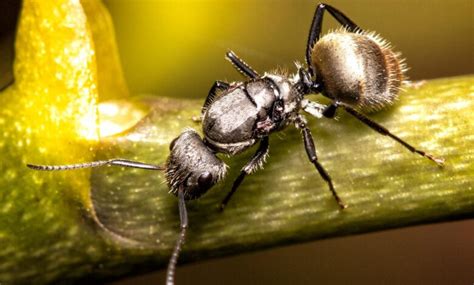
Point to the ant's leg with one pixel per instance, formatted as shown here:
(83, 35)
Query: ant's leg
(381, 130)
(330, 110)
(314, 109)
(315, 31)
(183, 217)
(218, 85)
(311, 152)
(116, 162)
(256, 161)
(241, 65)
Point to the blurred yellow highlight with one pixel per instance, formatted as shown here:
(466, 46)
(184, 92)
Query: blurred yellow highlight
(50, 114)
(117, 116)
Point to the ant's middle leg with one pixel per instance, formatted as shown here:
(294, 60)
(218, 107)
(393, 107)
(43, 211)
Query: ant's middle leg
(311, 152)
(241, 66)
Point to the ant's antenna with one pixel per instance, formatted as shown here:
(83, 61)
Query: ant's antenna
(115, 162)
(183, 216)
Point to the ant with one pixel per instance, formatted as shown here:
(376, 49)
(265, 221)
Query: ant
(356, 69)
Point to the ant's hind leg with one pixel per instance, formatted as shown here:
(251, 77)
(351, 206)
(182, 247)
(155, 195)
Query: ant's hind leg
(382, 130)
(315, 31)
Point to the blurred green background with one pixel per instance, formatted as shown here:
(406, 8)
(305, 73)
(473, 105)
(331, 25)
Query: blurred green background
(176, 49)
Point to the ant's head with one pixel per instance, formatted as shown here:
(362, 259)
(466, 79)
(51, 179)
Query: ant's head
(192, 165)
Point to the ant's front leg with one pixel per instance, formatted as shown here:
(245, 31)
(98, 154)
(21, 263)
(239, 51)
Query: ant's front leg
(217, 86)
(255, 162)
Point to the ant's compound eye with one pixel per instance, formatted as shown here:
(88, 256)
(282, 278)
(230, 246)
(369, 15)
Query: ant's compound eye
(205, 180)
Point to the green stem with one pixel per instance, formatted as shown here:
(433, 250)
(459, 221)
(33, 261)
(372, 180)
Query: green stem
(384, 184)
(63, 226)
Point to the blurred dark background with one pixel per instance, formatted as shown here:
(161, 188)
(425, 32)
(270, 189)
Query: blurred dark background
(176, 49)
(9, 11)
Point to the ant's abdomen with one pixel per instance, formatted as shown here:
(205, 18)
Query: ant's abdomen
(359, 69)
